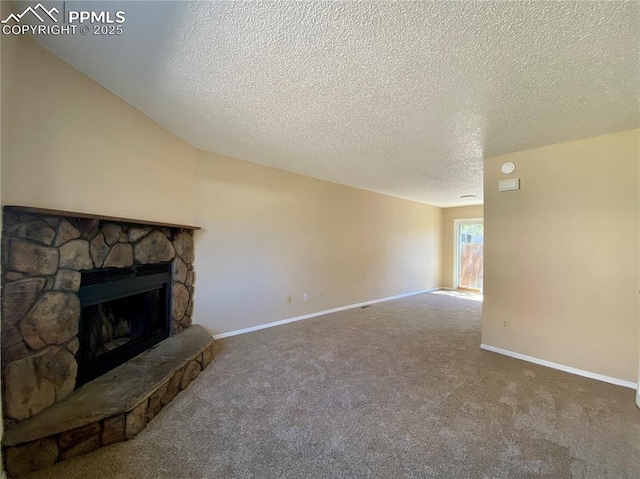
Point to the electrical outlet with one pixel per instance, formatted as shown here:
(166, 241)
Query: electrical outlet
(304, 297)
(505, 324)
(289, 299)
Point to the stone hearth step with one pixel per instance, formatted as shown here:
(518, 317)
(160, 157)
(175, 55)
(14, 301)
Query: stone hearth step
(111, 408)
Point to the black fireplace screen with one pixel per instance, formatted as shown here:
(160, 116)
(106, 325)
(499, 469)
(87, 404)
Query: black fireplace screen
(115, 323)
(124, 312)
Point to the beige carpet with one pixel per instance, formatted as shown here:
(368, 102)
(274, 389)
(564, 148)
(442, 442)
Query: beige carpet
(397, 390)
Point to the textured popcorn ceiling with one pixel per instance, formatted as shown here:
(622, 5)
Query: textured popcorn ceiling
(399, 98)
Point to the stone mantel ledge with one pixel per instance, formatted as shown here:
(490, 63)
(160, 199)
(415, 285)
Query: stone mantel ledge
(33, 210)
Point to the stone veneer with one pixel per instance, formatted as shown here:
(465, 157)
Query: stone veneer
(42, 258)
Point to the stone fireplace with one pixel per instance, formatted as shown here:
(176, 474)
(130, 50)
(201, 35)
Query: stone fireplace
(81, 295)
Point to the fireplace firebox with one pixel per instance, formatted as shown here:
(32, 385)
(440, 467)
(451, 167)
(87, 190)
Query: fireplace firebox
(125, 311)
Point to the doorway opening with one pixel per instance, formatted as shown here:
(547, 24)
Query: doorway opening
(468, 254)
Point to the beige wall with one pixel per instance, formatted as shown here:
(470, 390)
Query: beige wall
(448, 215)
(269, 234)
(73, 145)
(561, 255)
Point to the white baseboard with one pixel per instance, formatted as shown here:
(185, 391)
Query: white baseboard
(561, 367)
(319, 313)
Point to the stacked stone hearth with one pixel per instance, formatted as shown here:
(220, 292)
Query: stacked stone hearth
(42, 260)
(122, 403)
